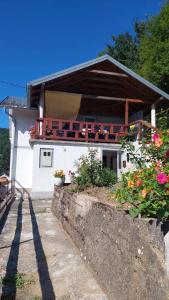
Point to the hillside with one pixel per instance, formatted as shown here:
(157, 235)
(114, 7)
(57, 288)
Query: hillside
(4, 151)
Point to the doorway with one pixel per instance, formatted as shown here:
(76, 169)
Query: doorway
(109, 159)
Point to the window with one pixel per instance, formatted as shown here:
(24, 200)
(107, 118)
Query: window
(46, 158)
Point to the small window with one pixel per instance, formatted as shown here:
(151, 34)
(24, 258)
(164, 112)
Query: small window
(46, 158)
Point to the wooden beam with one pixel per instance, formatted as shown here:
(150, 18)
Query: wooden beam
(159, 100)
(134, 87)
(126, 112)
(108, 73)
(112, 98)
(98, 85)
(105, 80)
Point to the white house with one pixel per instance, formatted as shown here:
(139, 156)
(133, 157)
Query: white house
(67, 113)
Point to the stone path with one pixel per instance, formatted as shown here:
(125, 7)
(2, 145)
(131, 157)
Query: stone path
(33, 244)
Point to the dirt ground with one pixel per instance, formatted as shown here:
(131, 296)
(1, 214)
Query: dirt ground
(104, 195)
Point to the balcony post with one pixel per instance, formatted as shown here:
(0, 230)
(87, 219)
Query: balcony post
(126, 112)
(41, 109)
(153, 115)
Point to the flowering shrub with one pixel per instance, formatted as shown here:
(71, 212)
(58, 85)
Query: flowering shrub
(146, 189)
(59, 173)
(91, 172)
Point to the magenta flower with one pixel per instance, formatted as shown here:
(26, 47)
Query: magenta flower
(155, 136)
(162, 178)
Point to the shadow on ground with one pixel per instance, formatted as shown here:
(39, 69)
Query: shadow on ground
(12, 279)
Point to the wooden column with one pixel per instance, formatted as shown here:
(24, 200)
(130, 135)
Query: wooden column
(126, 112)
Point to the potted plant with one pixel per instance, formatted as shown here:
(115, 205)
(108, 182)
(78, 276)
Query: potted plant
(59, 177)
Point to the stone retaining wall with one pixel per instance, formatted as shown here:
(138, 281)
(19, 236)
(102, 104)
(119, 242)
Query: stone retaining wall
(126, 255)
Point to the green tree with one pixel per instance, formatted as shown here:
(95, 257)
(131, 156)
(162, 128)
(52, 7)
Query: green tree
(124, 48)
(154, 49)
(147, 50)
(4, 151)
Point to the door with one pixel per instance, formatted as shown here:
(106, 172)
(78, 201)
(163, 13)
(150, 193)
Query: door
(109, 159)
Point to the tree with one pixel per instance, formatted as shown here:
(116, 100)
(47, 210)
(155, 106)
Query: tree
(147, 50)
(154, 49)
(124, 49)
(4, 151)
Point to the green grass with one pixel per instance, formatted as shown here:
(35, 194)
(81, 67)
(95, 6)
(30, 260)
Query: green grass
(17, 280)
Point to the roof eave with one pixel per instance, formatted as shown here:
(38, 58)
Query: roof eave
(93, 62)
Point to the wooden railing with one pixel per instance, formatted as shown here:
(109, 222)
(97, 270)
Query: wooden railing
(56, 129)
(140, 130)
(6, 193)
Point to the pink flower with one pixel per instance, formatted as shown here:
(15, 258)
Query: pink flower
(155, 136)
(162, 178)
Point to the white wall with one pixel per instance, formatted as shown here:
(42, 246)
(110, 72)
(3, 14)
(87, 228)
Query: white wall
(64, 157)
(28, 173)
(23, 152)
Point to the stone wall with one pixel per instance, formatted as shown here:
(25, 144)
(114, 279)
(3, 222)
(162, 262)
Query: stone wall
(125, 254)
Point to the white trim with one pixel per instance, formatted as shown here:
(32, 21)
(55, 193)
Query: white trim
(153, 115)
(115, 147)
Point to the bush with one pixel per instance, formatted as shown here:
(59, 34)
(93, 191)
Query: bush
(91, 172)
(147, 188)
(107, 177)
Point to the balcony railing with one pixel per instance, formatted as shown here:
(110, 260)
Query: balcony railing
(55, 129)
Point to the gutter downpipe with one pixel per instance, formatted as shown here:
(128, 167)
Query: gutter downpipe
(12, 152)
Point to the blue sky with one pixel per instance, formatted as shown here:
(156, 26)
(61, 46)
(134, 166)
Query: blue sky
(39, 37)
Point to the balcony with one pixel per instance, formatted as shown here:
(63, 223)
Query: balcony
(68, 130)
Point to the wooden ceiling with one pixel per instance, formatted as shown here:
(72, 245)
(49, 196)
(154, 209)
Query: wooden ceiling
(101, 79)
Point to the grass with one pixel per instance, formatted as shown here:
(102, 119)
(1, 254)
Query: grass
(17, 280)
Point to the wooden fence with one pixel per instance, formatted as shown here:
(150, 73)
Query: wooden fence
(6, 192)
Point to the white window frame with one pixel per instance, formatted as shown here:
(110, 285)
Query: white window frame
(43, 150)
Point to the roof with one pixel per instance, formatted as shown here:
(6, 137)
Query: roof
(14, 102)
(93, 62)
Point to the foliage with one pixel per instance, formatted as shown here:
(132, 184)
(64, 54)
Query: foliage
(91, 172)
(59, 173)
(16, 280)
(147, 50)
(163, 119)
(4, 151)
(154, 49)
(147, 188)
(124, 49)
(107, 177)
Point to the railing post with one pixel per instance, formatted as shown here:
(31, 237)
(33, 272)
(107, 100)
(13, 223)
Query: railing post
(126, 112)
(86, 133)
(140, 129)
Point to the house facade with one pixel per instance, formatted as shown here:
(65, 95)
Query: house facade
(89, 106)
